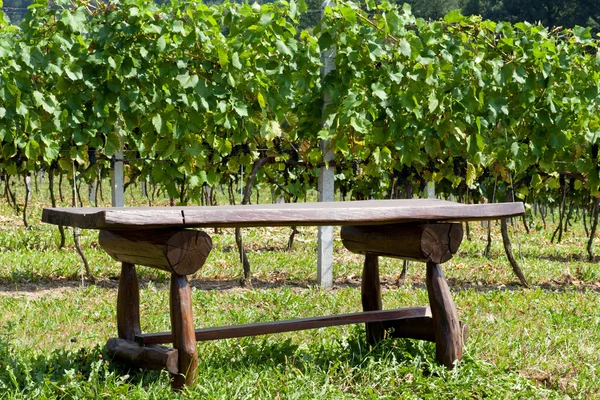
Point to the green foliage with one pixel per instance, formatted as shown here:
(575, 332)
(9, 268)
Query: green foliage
(198, 93)
(456, 100)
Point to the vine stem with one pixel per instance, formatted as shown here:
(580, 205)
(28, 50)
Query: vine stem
(76, 235)
(508, 249)
(246, 279)
(593, 228)
(368, 21)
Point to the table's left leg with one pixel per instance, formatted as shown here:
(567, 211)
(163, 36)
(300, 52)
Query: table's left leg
(184, 335)
(448, 333)
(128, 303)
(371, 296)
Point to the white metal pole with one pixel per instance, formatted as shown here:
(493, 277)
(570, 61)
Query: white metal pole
(430, 190)
(116, 177)
(326, 179)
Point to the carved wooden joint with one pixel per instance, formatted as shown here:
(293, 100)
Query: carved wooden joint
(435, 243)
(179, 251)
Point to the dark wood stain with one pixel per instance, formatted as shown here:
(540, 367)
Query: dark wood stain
(370, 289)
(417, 229)
(182, 326)
(368, 212)
(150, 357)
(178, 250)
(128, 303)
(446, 326)
(264, 328)
(419, 242)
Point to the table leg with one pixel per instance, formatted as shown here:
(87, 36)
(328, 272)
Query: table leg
(371, 296)
(184, 335)
(128, 303)
(448, 334)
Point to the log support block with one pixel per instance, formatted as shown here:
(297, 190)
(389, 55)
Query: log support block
(446, 326)
(184, 335)
(419, 242)
(420, 328)
(180, 251)
(154, 357)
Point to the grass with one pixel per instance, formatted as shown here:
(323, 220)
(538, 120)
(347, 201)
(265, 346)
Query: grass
(541, 342)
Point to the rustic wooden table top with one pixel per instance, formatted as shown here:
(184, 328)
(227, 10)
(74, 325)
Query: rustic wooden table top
(368, 212)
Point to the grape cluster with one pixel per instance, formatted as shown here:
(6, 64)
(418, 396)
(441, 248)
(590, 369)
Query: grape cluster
(92, 155)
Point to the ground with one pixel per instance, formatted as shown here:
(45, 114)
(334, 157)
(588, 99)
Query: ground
(541, 342)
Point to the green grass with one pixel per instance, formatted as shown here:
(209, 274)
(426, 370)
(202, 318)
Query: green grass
(542, 342)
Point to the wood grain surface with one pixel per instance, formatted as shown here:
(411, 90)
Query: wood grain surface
(128, 303)
(182, 325)
(183, 251)
(370, 291)
(419, 242)
(150, 357)
(368, 212)
(418, 328)
(446, 326)
(264, 328)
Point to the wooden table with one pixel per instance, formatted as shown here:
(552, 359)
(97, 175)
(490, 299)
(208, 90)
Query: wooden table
(424, 230)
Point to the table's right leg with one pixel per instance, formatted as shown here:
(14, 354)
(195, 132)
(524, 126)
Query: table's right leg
(448, 333)
(128, 303)
(184, 335)
(371, 296)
